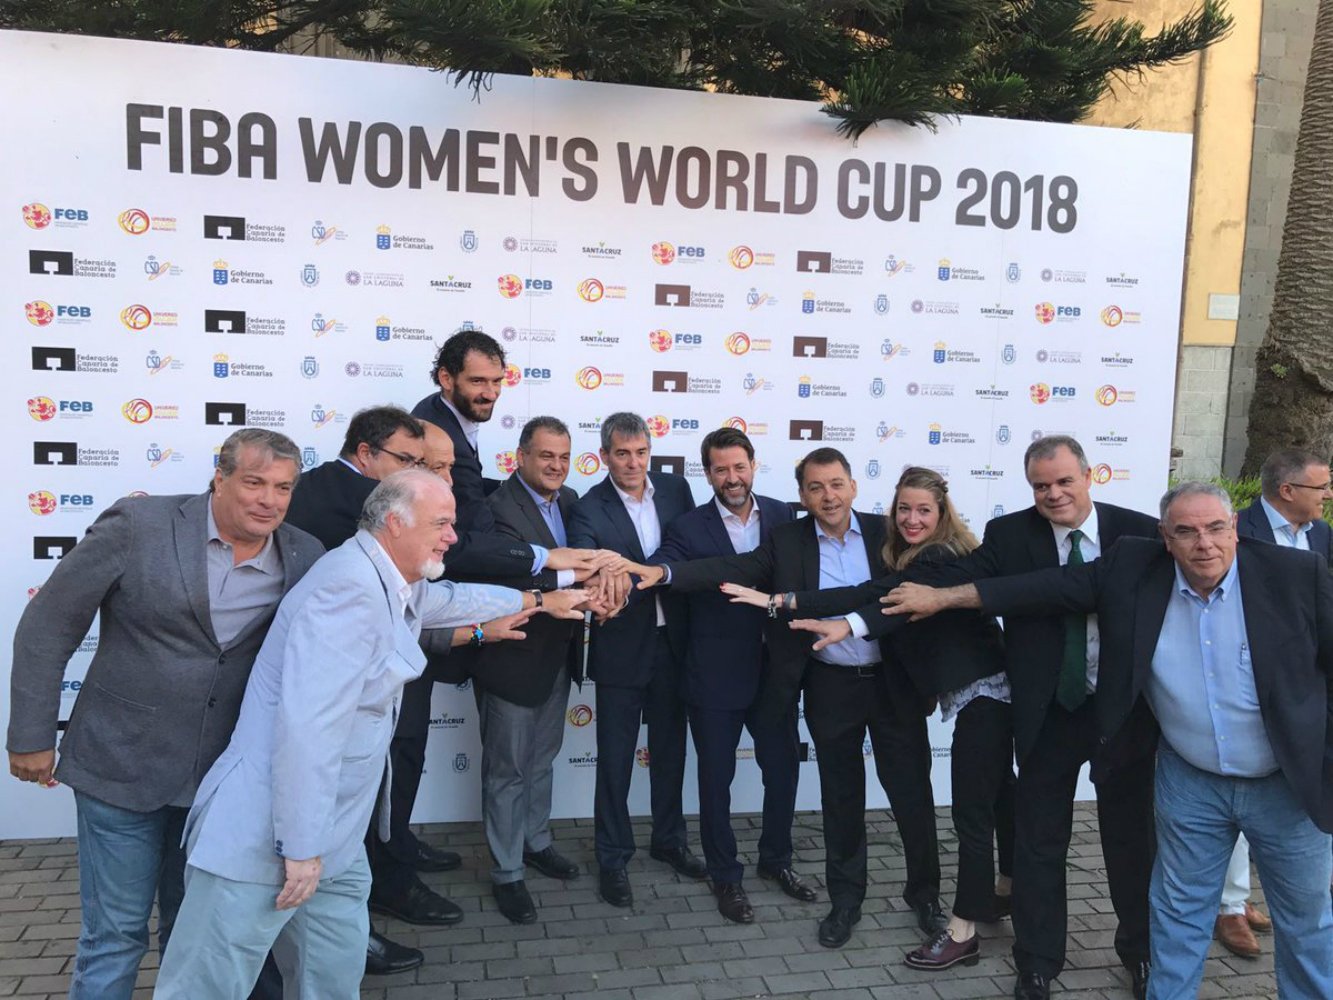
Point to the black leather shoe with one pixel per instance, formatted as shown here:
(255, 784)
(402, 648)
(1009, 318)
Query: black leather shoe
(682, 859)
(515, 902)
(614, 888)
(551, 864)
(1138, 974)
(732, 902)
(790, 883)
(418, 905)
(836, 929)
(929, 917)
(432, 859)
(384, 957)
(1032, 986)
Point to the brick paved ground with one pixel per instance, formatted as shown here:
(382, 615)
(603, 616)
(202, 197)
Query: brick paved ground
(672, 946)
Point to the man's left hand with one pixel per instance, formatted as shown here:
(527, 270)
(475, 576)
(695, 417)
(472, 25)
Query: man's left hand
(563, 603)
(302, 881)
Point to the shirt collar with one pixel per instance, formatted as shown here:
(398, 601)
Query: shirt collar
(470, 427)
(730, 515)
(1278, 521)
(852, 529)
(1088, 527)
(260, 559)
(648, 490)
(534, 494)
(395, 581)
(1219, 593)
(350, 466)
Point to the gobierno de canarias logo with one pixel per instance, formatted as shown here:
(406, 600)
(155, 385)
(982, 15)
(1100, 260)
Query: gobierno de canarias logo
(658, 425)
(588, 377)
(510, 285)
(136, 317)
(660, 340)
(39, 313)
(137, 410)
(134, 221)
(42, 408)
(36, 215)
(591, 290)
(42, 502)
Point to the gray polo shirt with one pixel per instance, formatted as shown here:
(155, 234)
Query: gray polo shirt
(239, 592)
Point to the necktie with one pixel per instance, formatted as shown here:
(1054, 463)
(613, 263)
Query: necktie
(1073, 687)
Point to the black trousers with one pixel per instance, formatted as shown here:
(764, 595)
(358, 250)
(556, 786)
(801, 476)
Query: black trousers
(717, 733)
(1044, 821)
(840, 707)
(619, 712)
(983, 802)
(393, 861)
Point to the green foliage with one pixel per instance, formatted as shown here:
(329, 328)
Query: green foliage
(1243, 492)
(907, 61)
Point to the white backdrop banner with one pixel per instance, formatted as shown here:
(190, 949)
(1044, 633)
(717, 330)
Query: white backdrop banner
(199, 239)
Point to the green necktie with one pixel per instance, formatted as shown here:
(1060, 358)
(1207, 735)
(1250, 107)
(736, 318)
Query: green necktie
(1073, 689)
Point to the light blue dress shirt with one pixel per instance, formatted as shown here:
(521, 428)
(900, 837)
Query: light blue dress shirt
(550, 511)
(1285, 533)
(1201, 686)
(845, 564)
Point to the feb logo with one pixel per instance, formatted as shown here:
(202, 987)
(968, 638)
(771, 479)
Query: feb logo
(741, 257)
(660, 340)
(1113, 315)
(588, 377)
(510, 285)
(42, 502)
(736, 424)
(136, 317)
(591, 290)
(1107, 395)
(579, 716)
(39, 313)
(641, 756)
(588, 464)
(134, 221)
(1045, 312)
(1039, 392)
(506, 462)
(137, 411)
(42, 408)
(513, 376)
(663, 253)
(658, 426)
(36, 215)
(738, 343)
(1101, 474)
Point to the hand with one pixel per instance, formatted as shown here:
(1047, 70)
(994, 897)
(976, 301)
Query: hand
(829, 631)
(563, 603)
(35, 766)
(302, 881)
(745, 595)
(914, 599)
(615, 588)
(506, 626)
(649, 576)
(586, 559)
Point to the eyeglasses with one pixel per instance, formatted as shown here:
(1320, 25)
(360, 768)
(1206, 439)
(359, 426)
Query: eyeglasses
(407, 461)
(1322, 489)
(1191, 536)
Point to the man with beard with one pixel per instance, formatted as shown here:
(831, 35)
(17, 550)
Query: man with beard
(725, 663)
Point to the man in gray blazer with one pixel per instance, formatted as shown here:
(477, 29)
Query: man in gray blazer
(275, 838)
(186, 587)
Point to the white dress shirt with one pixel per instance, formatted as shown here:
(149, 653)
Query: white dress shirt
(744, 535)
(643, 515)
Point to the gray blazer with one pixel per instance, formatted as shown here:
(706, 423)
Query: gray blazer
(161, 695)
(301, 774)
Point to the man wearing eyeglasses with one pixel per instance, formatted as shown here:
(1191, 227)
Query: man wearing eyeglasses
(1229, 643)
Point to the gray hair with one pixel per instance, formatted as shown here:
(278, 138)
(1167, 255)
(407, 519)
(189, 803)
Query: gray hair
(396, 494)
(1194, 488)
(627, 425)
(1283, 466)
(276, 447)
(553, 424)
(1046, 447)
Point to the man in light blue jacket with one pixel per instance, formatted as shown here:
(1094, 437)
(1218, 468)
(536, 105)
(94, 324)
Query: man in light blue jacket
(275, 838)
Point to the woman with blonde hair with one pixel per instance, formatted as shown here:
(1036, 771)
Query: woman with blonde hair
(956, 658)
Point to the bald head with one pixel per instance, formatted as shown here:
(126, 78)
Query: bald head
(439, 452)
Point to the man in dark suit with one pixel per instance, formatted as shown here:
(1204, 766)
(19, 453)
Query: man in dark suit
(725, 660)
(1052, 664)
(1295, 487)
(1230, 645)
(633, 660)
(187, 588)
(849, 690)
(522, 688)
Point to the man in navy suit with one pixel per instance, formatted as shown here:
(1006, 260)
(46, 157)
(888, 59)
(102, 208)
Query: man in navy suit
(633, 662)
(1290, 510)
(725, 660)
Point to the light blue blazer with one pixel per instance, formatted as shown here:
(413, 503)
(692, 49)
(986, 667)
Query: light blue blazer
(301, 774)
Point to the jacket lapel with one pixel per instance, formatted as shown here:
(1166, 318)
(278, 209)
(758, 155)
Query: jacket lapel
(541, 532)
(717, 531)
(190, 531)
(1150, 601)
(1254, 586)
(809, 555)
(619, 518)
(872, 534)
(1041, 542)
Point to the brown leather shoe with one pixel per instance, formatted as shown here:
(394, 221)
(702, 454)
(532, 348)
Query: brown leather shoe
(942, 952)
(1235, 935)
(1259, 921)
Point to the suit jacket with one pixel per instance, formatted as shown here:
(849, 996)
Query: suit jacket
(525, 672)
(327, 502)
(1252, 522)
(724, 652)
(161, 695)
(1288, 601)
(788, 560)
(620, 652)
(300, 777)
(1034, 644)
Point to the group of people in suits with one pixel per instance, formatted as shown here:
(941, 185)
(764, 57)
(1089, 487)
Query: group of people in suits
(217, 769)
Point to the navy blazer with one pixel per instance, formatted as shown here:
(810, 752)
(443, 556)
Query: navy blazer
(724, 648)
(1252, 522)
(620, 652)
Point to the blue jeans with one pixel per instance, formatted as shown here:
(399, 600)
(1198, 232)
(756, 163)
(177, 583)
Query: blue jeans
(126, 859)
(1199, 815)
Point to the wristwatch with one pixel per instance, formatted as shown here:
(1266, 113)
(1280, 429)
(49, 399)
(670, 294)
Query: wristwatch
(537, 597)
